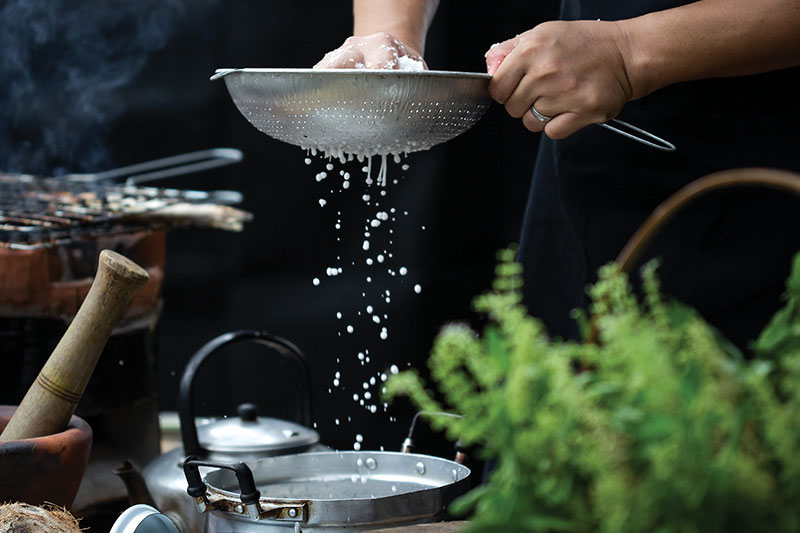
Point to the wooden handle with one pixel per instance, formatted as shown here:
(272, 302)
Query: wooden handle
(52, 398)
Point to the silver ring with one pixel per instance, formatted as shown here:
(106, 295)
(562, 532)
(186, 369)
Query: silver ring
(538, 116)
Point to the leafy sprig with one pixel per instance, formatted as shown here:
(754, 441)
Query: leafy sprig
(665, 427)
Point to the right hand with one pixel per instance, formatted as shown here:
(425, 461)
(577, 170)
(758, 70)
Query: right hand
(376, 51)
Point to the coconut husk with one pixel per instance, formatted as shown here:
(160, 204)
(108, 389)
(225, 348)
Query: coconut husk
(24, 518)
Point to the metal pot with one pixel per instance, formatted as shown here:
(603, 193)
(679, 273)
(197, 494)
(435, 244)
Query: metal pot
(246, 437)
(325, 492)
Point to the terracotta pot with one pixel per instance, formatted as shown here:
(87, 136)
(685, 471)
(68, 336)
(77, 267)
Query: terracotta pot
(44, 469)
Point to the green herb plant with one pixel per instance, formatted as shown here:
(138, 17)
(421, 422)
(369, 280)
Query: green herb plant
(658, 426)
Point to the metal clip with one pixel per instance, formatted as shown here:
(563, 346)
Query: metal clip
(288, 511)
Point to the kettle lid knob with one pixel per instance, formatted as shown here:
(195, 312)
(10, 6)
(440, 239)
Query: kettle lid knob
(248, 412)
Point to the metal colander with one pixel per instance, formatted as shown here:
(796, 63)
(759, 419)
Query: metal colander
(362, 112)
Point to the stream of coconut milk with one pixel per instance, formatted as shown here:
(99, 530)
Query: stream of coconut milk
(373, 261)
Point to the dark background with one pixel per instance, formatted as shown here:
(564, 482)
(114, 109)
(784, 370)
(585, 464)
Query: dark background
(467, 194)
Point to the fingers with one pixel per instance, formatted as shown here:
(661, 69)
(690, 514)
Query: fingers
(519, 102)
(559, 127)
(498, 52)
(532, 123)
(571, 71)
(376, 51)
(563, 125)
(384, 54)
(342, 58)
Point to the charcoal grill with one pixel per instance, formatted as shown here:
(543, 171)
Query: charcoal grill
(51, 231)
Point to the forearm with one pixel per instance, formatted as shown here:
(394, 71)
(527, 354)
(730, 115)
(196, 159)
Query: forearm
(710, 38)
(407, 20)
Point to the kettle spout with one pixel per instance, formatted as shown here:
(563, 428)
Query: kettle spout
(134, 484)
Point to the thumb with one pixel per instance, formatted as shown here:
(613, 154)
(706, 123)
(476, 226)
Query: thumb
(498, 52)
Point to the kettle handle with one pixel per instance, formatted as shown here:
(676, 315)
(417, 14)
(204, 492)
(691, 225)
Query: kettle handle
(191, 443)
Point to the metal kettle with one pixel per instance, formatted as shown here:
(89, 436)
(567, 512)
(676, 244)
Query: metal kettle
(245, 437)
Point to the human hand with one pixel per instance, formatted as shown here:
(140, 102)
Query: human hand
(572, 71)
(376, 51)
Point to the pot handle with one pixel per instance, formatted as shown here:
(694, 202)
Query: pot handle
(191, 444)
(249, 495)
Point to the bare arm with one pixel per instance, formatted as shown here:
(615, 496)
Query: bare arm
(383, 31)
(711, 38)
(406, 20)
(582, 72)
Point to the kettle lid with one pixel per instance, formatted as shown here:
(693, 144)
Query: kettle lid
(249, 433)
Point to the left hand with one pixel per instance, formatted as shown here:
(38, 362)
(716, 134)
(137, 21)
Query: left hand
(573, 71)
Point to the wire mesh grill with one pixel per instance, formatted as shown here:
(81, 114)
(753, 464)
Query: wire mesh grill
(37, 212)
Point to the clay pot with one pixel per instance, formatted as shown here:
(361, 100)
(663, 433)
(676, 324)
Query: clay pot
(44, 469)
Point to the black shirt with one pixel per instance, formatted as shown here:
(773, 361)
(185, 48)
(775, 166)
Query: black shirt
(728, 255)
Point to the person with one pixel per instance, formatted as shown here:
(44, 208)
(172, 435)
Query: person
(718, 78)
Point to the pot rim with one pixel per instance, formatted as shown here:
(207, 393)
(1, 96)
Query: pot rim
(76, 424)
(441, 481)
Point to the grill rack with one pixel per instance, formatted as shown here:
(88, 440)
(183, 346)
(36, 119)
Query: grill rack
(38, 212)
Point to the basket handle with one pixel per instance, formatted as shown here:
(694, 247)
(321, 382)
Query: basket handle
(759, 177)
(763, 177)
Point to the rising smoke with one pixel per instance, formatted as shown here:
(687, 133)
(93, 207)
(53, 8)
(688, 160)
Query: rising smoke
(60, 64)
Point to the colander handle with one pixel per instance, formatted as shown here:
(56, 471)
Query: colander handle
(639, 135)
(191, 443)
